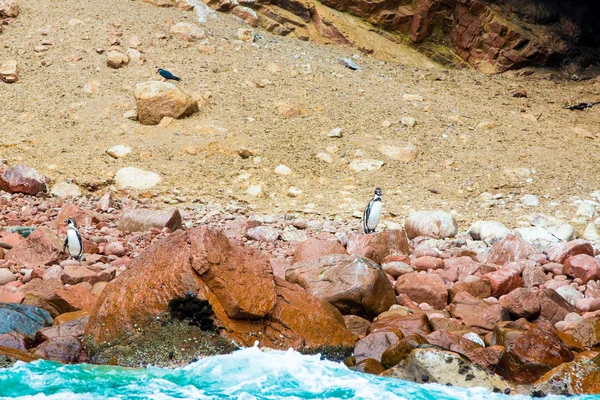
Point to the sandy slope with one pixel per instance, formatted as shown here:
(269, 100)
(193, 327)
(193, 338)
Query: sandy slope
(471, 133)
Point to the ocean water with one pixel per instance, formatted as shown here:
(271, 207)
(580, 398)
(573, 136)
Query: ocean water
(246, 374)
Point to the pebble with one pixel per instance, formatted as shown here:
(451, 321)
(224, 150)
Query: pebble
(283, 170)
(255, 190)
(408, 121)
(365, 165)
(9, 71)
(586, 209)
(530, 200)
(294, 191)
(118, 151)
(335, 133)
(325, 157)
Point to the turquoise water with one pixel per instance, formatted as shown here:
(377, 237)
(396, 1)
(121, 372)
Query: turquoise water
(245, 374)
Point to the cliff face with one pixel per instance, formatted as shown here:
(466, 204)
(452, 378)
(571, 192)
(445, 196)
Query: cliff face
(492, 36)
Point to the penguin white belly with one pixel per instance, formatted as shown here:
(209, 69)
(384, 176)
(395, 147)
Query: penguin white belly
(74, 246)
(374, 215)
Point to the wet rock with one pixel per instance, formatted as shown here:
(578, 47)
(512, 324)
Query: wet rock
(529, 353)
(352, 284)
(432, 365)
(582, 266)
(578, 377)
(423, 288)
(477, 313)
(22, 179)
(377, 246)
(75, 328)
(313, 248)
(510, 248)
(398, 352)
(23, 319)
(42, 247)
(132, 177)
(188, 32)
(407, 324)
(374, 344)
(140, 220)
(476, 287)
(434, 224)
(488, 231)
(521, 303)
(15, 340)
(553, 307)
(9, 71)
(559, 254)
(156, 100)
(452, 342)
(63, 349)
(357, 325)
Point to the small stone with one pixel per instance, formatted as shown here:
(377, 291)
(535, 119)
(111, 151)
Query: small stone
(188, 32)
(118, 151)
(263, 233)
(365, 165)
(294, 191)
(520, 93)
(131, 114)
(407, 152)
(91, 87)
(324, 157)
(9, 71)
(64, 189)
(408, 121)
(592, 231)
(412, 97)
(136, 178)
(246, 35)
(135, 42)
(283, 170)
(530, 200)
(255, 190)
(335, 133)
(348, 63)
(115, 248)
(586, 209)
(116, 59)
(206, 49)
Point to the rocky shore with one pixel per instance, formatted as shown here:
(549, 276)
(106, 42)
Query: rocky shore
(424, 302)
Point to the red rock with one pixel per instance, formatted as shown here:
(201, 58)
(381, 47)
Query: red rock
(298, 320)
(64, 349)
(105, 202)
(423, 288)
(374, 344)
(534, 277)
(357, 325)
(553, 307)
(404, 300)
(476, 287)
(8, 296)
(407, 324)
(582, 266)
(452, 342)
(75, 328)
(280, 266)
(399, 351)
(115, 249)
(465, 266)
(426, 263)
(486, 357)
(587, 331)
(74, 274)
(477, 313)
(521, 303)
(560, 253)
(22, 179)
(140, 220)
(14, 340)
(504, 281)
(42, 294)
(42, 247)
(352, 284)
(78, 297)
(314, 248)
(396, 268)
(83, 218)
(369, 366)
(377, 246)
(510, 248)
(10, 238)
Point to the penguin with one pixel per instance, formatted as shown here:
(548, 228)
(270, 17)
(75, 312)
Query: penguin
(372, 213)
(167, 75)
(73, 240)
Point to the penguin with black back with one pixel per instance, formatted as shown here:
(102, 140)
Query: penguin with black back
(372, 213)
(73, 240)
(166, 75)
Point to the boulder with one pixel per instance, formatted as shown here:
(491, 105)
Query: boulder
(14, 340)
(476, 287)
(587, 331)
(559, 254)
(504, 281)
(75, 328)
(477, 313)
(433, 365)
(78, 297)
(263, 233)
(65, 349)
(353, 284)
(314, 248)
(488, 231)
(377, 246)
(553, 307)
(582, 266)
(74, 274)
(374, 344)
(22, 179)
(486, 357)
(452, 342)
(357, 325)
(426, 263)
(156, 100)
(423, 288)
(434, 224)
(23, 319)
(510, 248)
(407, 324)
(140, 220)
(42, 247)
(83, 218)
(521, 303)
(578, 377)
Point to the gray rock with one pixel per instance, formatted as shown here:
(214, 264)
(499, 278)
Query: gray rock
(530, 200)
(434, 224)
(348, 63)
(592, 231)
(139, 220)
(118, 151)
(586, 209)
(335, 133)
(488, 231)
(291, 234)
(365, 165)
(26, 320)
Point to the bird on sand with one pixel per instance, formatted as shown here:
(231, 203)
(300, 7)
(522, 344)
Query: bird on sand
(166, 75)
(73, 240)
(372, 213)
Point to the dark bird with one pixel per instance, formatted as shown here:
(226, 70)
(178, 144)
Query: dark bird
(73, 240)
(372, 213)
(167, 75)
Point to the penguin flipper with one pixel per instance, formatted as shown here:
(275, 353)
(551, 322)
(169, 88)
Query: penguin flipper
(65, 245)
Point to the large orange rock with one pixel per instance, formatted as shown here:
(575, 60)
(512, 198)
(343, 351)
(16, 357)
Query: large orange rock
(315, 248)
(377, 246)
(581, 376)
(452, 342)
(423, 288)
(407, 324)
(353, 284)
(156, 100)
(78, 297)
(172, 268)
(476, 312)
(43, 247)
(42, 293)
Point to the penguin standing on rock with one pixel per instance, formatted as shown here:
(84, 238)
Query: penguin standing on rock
(73, 240)
(166, 75)
(372, 213)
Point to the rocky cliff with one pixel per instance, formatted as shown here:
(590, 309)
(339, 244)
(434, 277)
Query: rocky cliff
(492, 36)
